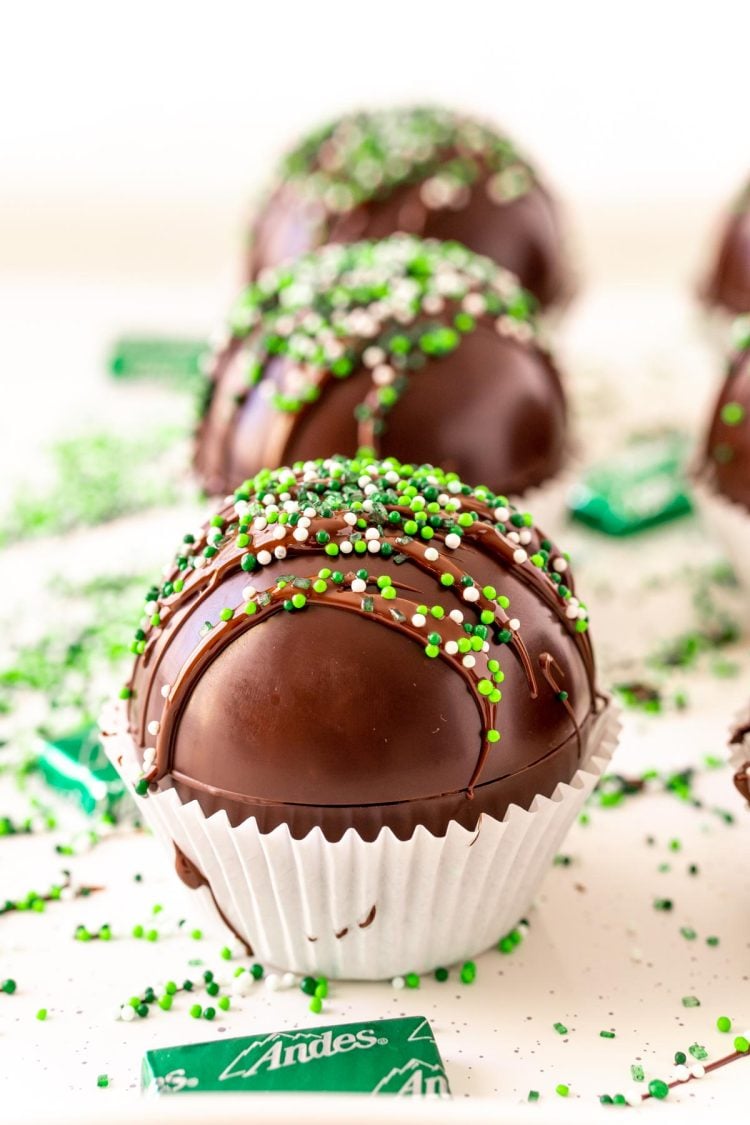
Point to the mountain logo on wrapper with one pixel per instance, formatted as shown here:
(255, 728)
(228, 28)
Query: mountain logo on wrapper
(397, 1057)
(293, 1048)
(415, 1078)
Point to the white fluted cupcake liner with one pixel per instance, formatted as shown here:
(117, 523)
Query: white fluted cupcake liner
(730, 524)
(371, 910)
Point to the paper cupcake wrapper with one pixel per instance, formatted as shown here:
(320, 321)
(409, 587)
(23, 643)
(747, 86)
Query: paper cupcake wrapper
(371, 910)
(730, 524)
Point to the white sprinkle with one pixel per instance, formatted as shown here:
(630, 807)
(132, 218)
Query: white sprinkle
(363, 481)
(502, 514)
(681, 1073)
(359, 586)
(571, 612)
(560, 565)
(474, 304)
(272, 982)
(398, 982)
(149, 756)
(525, 536)
(280, 552)
(432, 554)
(452, 540)
(260, 523)
(383, 375)
(373, 546)
(469, 661)
(264, 557)
(300, 534)
(418, 620)
(633, 1096)
(451, 647)
(199, 561)
(350, 518)
(346, 547)
(457, 616)
(309, 513)
(636, 955)
(698, 1071)
(514, 624)
(454, 486)
(471, 594)
(289, 980)
(520, 556)
(242, 984)
(127, 1013)
(165, 690)
(303, 521)
(392, 477)
(248, 593)
(372, 533)
(150, 608)
(372, 357)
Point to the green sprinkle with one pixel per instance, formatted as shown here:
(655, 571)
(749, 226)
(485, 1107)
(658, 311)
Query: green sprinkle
(533, 1096)
(102, 1081)
(732, 413)
(742, 1044)
(226, 614)
(224, 1003)
(411, 980)
(137, 931)
(257, 971)
(636, 1072)
(493, 735)
(468, 972)
(691, 1002)
(680, 1058)
(308, 985)
(316, 1005)
(562, 1090)
(560, 1028)
(698, 1052)
(165, 1002)
(447, 580)
(724, 1023)
(441, 975)
(607, 1034)
(41, 1014)
(209, 1013)
(658, 1089)
(196, 935)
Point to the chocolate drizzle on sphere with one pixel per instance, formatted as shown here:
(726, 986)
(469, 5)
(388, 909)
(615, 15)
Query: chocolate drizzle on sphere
(422, 171)
(360, 644)
(407, 348)
(726, 460)
(728, 283)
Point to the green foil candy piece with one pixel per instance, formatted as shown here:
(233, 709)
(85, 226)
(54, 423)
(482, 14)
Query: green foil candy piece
(156, 357)
(397, 1056)
(643, 485)
(76, 765)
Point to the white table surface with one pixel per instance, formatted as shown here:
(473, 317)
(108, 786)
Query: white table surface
(597, 956)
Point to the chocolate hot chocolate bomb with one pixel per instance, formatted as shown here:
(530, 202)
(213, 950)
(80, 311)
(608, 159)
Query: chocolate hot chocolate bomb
(422, 171)
(411, 348)
(728, 282)
(726, 455)
(363, 644)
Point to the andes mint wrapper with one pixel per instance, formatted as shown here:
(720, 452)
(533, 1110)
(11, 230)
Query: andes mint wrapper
(643, 485)
(156, 357)
(76, 765)
(397, 1056)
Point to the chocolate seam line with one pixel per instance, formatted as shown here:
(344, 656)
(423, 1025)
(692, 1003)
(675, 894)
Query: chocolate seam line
(272, 802)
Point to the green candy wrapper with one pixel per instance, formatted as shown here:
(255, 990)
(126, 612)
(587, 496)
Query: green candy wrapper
(77, 766)
(156, 357)
(396, 1056)
(641, 486)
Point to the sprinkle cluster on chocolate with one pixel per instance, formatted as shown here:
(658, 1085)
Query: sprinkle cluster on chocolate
(365, 156)
(386, 306)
